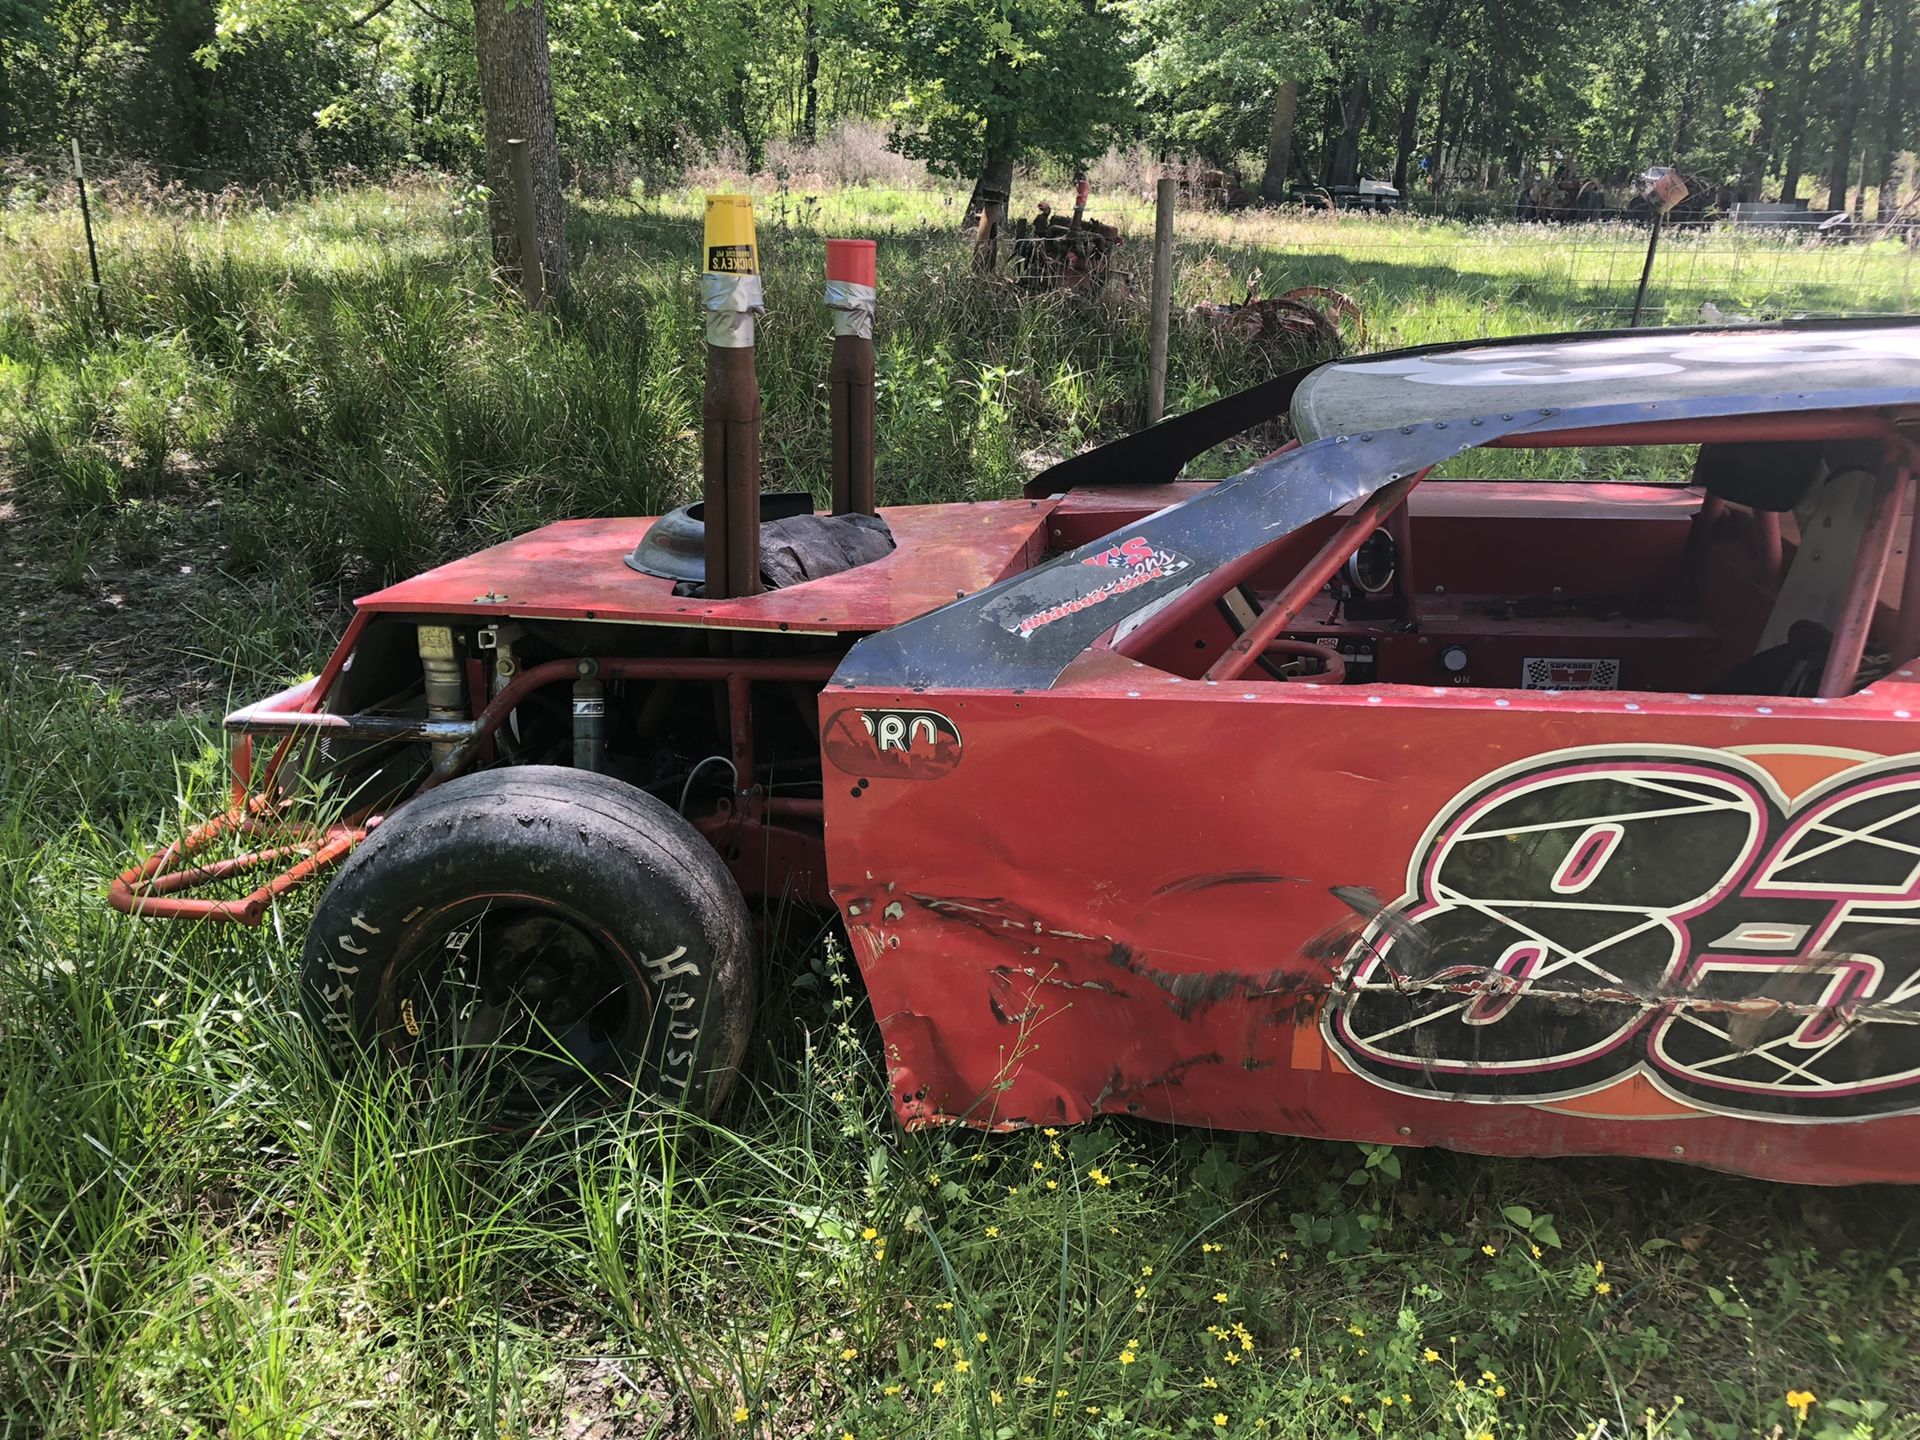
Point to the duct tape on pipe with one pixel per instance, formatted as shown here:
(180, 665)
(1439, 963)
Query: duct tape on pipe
(731, 302)
(852, 306)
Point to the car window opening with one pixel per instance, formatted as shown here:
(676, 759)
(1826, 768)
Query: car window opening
(1779, 570)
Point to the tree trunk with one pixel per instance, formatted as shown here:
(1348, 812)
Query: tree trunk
(1353, 106)
(1345, 169)
(810, 115)
(1797, 121)
(1779, 55)
(994, 189)
(1854, 82)
(516, 96)
(1409, 125)
(1273, 181)
(1890, 126)
(1437, 159)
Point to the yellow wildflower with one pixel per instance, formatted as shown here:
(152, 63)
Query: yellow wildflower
(1053, 1184)
(1346, 1399)
(1536, 1251)
(1801, 1401)
(940, 1342)
(1219, 1420)
(1049, 1132)
(993, 1232)
(944, 1305)
(1488, 1250)
(1138, 1291)
(1207, 1382)
(1207, 1247)
(891, 1390)
(1386, 1400)
(1146, 1270)
(869, 1233)
(1430, 1355)
(995, 1397)
(962, 1365)
(939, 1387)
(849, 1353)
(933, 1179)
(1603, 1288)
(1099, 1176)
(879, 1252)
(1219, 1297)
(1499, 1392)
(1127, 1357)
(1599, 1267)
(1029, 1379)
(740, 1414)
(1356, 1329)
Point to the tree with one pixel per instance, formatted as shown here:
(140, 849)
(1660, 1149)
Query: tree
(990, 83)
(515, 81)
(1286, 104)
(1849, 116)
(1223, 77)
(516, 97)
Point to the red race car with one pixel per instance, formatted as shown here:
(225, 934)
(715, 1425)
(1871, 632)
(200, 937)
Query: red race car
(1511, 816)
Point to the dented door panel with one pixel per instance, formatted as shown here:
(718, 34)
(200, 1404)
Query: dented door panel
(1526, 924)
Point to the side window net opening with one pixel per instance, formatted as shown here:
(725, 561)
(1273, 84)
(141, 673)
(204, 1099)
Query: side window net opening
(1773, 574)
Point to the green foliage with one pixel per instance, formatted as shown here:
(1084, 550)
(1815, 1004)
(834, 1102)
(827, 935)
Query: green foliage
(1005, 80)
(1208, 69)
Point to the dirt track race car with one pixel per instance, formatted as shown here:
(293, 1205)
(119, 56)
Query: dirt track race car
(1515, 817)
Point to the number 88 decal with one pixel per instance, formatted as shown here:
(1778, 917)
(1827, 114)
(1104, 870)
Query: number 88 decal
(1594, 913)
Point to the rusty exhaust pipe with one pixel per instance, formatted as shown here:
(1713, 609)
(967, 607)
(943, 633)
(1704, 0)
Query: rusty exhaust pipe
(851, 282)
(730, 410)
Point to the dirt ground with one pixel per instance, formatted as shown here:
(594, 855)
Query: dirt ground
(155, 626)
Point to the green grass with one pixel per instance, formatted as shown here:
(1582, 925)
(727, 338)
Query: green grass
(203, 1234)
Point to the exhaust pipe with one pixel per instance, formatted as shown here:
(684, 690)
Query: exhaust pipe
(730, 410)
(851, 277)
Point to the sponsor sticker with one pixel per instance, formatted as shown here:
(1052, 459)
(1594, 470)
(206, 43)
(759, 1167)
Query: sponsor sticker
(1126, 566)
(1552, 673)
(892, 744)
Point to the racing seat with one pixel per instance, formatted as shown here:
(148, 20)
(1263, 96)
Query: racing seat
(1833, 489)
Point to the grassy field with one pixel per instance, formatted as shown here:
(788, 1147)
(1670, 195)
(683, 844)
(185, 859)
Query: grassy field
(202, 1234)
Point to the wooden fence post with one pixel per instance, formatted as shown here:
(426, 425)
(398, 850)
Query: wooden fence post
(1162, 299)
(86, 224)
(533, 277)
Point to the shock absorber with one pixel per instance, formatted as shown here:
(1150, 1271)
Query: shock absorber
(589, 719)
(446, 685)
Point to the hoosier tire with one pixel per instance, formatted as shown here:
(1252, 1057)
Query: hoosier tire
(554, 936)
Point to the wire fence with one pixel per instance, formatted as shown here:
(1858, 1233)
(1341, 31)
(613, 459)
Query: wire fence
(1419, 276)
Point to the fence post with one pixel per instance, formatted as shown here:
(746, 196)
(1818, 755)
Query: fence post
(533, 277)
(1162, 299)
(86, 224)
(1646, 270)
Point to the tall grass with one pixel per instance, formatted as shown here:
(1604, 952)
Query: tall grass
(202, 1233)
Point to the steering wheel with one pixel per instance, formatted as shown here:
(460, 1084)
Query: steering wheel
(1333, 663)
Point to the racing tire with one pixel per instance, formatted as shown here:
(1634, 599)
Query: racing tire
(555, 935)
